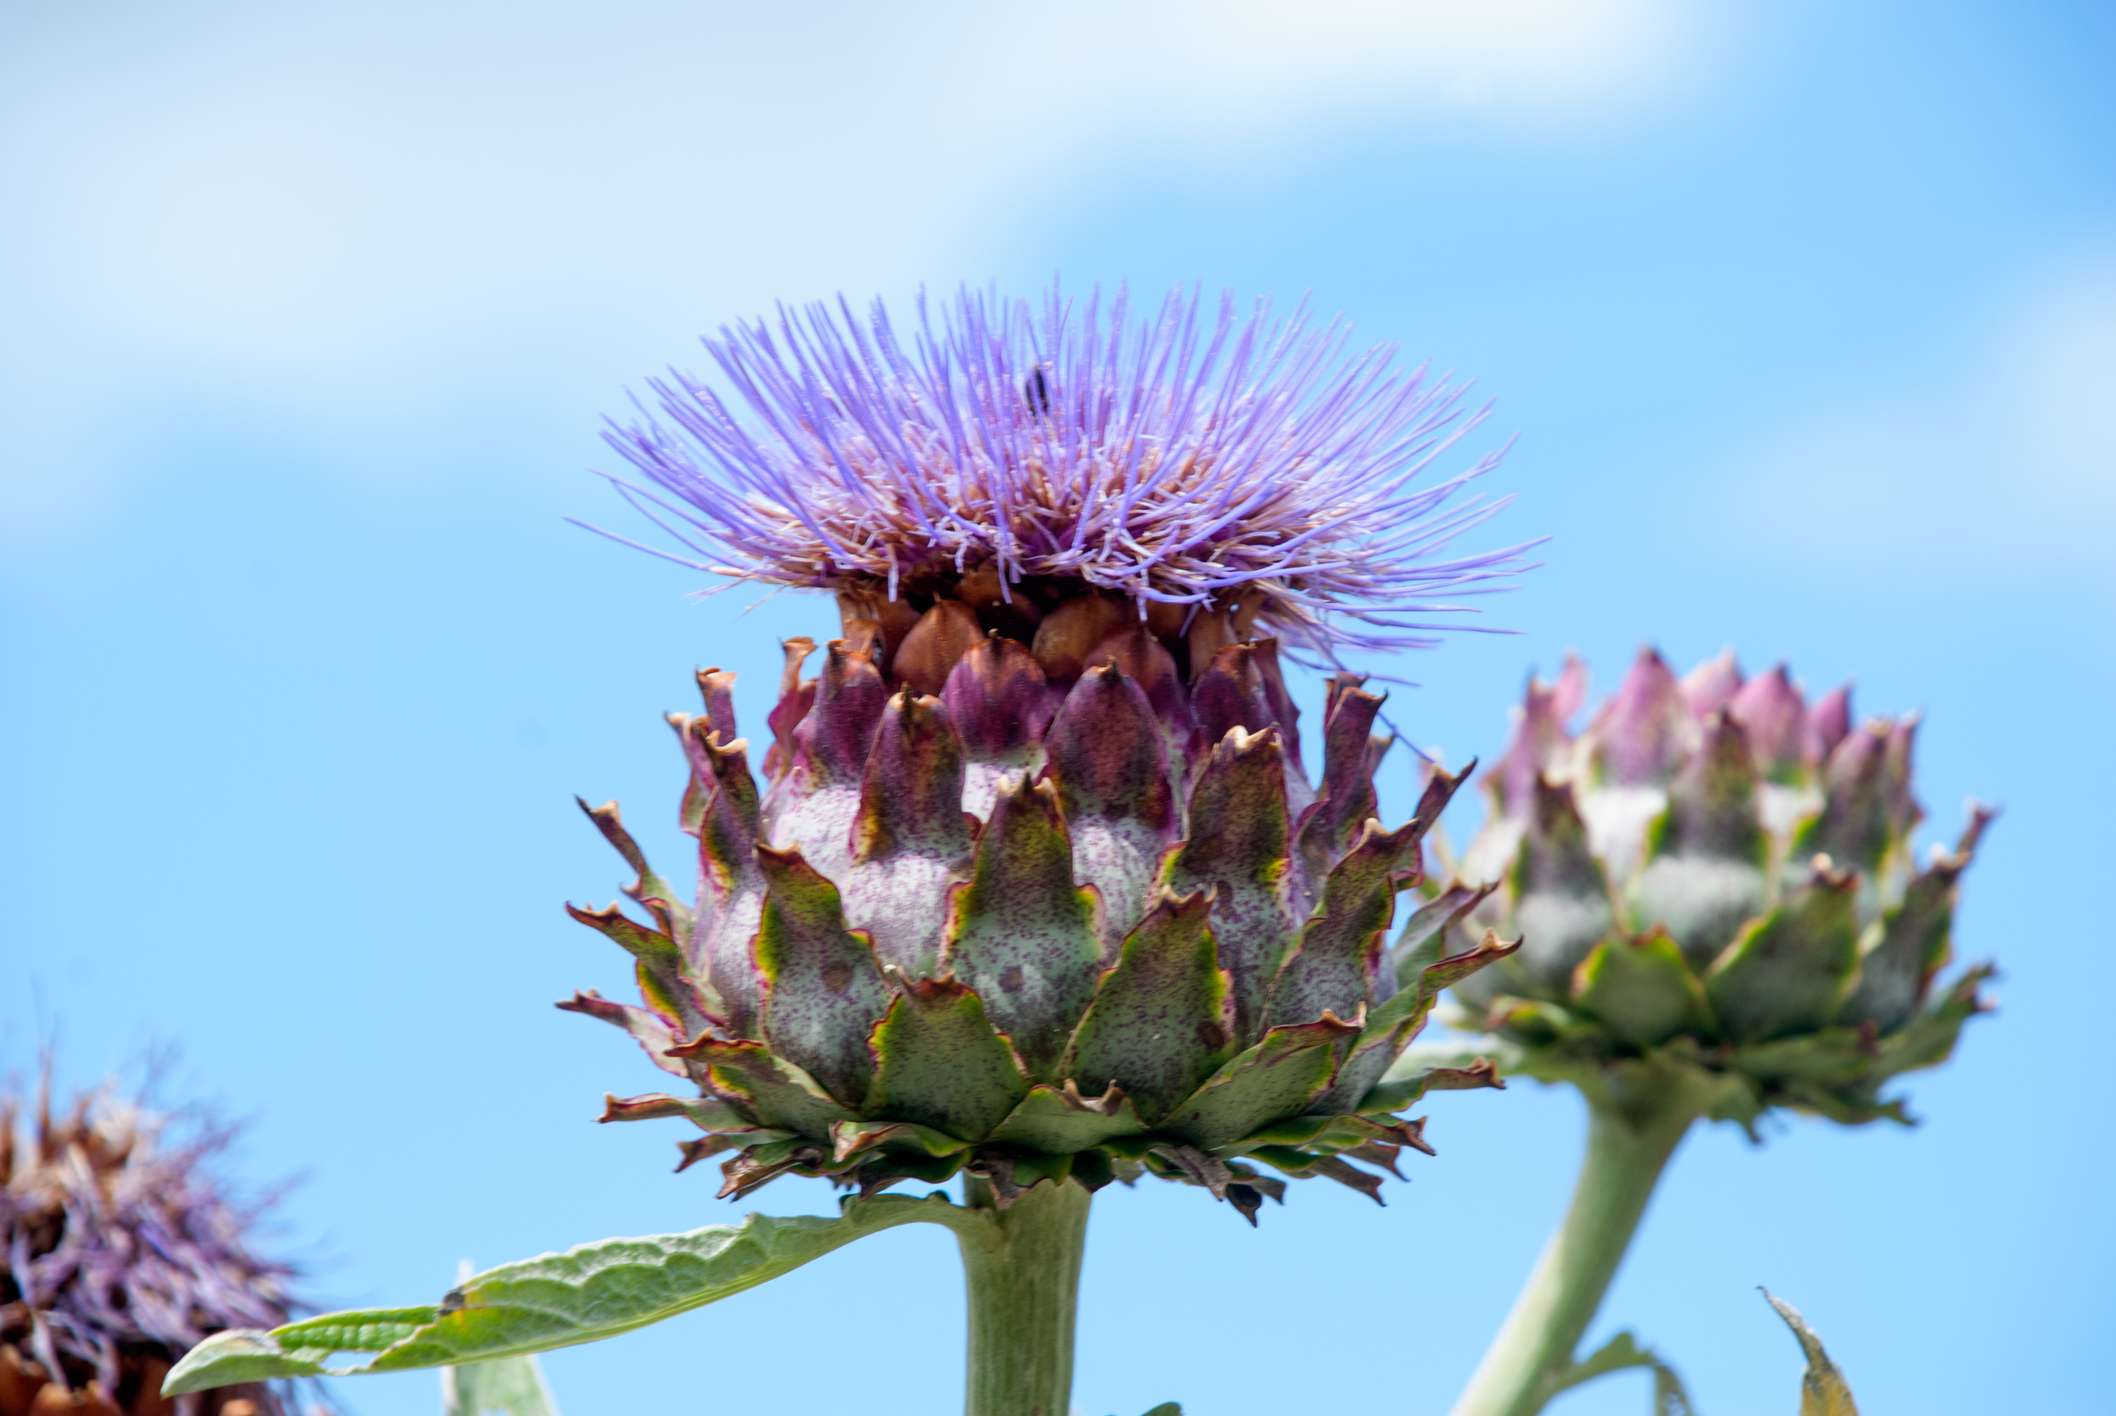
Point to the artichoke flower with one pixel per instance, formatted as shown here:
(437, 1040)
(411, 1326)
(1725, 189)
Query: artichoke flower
(1715, 876)
(1036, 886)
(118, 1253)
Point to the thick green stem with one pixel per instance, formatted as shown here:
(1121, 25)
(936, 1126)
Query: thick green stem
(1024, 1287)
(1627, 1147)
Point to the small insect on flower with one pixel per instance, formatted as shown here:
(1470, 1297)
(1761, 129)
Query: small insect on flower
(1013, 457)
(117, 1254)
(1039, 889)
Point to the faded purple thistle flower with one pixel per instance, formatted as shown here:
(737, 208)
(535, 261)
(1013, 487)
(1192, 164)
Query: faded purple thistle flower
(1191, 462)
(1714, 879)
(118, 1254)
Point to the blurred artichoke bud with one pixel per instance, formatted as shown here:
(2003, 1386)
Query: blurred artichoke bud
(118, 1253)
(1717, 874)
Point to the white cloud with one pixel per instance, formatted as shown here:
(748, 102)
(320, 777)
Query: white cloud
(2005, 461)
(265, 183)
(323, 207)
(2060, 389)
(1260, 61)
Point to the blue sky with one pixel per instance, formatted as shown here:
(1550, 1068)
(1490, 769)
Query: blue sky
(1806, 319)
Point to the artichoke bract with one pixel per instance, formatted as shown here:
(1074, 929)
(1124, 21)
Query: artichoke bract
(1077, 913)
(1716, 875)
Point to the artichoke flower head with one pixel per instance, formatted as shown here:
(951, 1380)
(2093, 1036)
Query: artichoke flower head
(1035, 885)
(118, 1252)
(1716, 875)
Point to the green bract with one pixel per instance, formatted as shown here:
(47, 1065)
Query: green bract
(1080, 914)
(1714, 879)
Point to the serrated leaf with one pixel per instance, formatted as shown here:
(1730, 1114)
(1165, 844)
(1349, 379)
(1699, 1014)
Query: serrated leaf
(587, 1293)
(1823, 1391)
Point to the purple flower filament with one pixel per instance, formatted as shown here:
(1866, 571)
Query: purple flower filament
(1194, 459)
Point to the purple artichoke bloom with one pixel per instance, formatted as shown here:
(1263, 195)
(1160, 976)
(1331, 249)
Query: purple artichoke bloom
(1038, 888)
(118, 1253)
(1194, 464)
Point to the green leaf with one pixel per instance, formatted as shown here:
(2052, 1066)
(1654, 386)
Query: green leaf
(1623, 1353)
(587, 1293)
(1166, 1408)
(504, 1386)
(1822, 1388)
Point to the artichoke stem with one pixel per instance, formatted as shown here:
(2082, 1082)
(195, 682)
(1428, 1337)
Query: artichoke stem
(1629, 1142)
(1023, 1273)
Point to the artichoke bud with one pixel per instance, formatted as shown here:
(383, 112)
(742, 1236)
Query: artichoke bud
(1035, 908)
(1714, 874)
